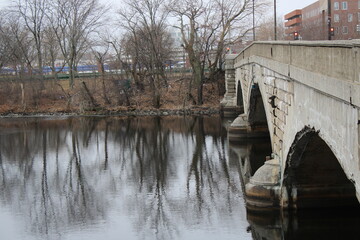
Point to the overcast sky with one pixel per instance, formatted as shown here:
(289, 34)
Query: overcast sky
(286, 6)
(283, 6)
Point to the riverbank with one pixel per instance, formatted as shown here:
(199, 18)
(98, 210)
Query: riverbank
(90, 97)
(124, 112)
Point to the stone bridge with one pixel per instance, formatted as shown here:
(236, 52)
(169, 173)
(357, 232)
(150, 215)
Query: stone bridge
(304, 96)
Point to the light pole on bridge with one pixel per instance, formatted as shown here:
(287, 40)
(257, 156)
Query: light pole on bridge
(253, 15)
(275, 30)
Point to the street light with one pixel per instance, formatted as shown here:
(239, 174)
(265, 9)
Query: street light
(253, 13)
(329, 21)
(275, 31)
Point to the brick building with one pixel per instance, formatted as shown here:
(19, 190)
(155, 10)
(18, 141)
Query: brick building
(293, 23)
(312, 22)
(346, 19)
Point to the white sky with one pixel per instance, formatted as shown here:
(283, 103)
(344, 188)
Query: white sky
(286, 6)
(283, 6)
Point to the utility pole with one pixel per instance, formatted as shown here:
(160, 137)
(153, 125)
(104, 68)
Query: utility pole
(275, 30)
(253, 13)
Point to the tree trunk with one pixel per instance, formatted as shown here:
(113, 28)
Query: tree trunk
(106, 99)
(71, 76)
(67, 95)
(200, 94)
(156, 94)
(198, 77)
(92, 100)
(22, 95)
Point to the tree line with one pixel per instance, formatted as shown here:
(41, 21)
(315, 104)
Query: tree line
(38, 33)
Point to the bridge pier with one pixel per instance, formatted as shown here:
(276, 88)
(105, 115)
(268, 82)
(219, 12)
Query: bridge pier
(241, 130)
(229, 106)
(263, 189)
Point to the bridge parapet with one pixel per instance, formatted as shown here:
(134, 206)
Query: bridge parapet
(337, 59)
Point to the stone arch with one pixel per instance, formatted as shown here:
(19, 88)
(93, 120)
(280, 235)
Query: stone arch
(313, 176)
(239, 97)
(257, 114)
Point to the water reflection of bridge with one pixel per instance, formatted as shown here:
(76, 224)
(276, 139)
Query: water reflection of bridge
(273, 224)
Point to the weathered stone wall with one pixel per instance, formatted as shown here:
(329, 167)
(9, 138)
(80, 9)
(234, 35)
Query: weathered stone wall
(271, 85)
(281, 90)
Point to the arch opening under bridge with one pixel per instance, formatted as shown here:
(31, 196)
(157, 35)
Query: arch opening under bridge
(313, 176)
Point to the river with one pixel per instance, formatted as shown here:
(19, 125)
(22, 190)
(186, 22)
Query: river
(140, 178)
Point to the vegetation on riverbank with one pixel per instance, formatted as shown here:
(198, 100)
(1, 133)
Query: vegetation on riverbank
(128, 54)
(106, 95)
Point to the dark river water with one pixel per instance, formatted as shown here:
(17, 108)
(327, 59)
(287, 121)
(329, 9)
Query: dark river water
(141, 178)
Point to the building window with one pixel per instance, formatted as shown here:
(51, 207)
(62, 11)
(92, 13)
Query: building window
(344, 6)
(345, 30)
(358, 16)
(336, 30)
(336, 5)
(350, 17)
(359, 4)
(336, 18)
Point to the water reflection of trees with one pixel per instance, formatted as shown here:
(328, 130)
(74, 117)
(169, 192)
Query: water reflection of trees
(209, 170)
(38, 181)
(67, 173)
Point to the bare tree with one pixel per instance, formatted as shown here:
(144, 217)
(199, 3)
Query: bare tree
(4, 48)
(132, 58)
(3, 53)
(73, 22)
(20, 49)
(19, 44)
(32, 13)
(264, 33)
(149, 41)
(233, 15)
(100, 49)
(121, 80)
(314, 30)
(207, 27)
(117, 46)
(51, 51)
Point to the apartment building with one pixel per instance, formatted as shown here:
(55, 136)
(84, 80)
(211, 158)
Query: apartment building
(293, 23)
(325, 19)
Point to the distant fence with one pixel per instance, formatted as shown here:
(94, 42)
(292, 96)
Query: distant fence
(86, 71)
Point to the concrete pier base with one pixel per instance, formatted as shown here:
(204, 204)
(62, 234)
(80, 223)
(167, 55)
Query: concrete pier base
(231, 111)
(263, 190)
(240, 130)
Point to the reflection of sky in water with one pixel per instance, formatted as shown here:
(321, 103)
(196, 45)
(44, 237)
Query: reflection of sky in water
(141, 191)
